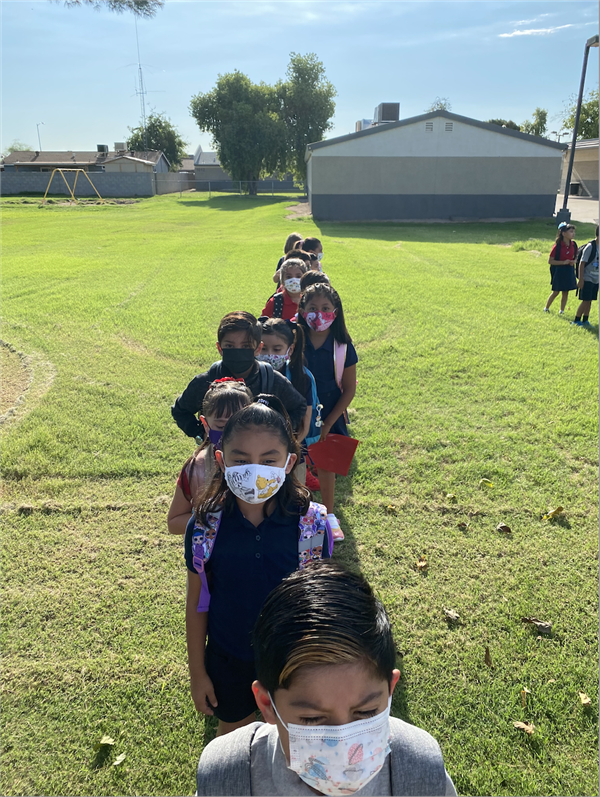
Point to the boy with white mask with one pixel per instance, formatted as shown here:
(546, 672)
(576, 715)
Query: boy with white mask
(325, 659)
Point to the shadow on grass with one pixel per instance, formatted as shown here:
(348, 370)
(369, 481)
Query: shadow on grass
(238, 201)
(102, 756)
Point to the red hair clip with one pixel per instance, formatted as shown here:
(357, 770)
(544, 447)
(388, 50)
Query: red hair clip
(225, 379)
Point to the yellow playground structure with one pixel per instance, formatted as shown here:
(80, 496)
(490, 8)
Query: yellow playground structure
(71, 190)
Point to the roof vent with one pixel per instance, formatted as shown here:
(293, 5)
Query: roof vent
(120, 146)
(102, 147)
(448, 127)
(386, 112)
(429, 127)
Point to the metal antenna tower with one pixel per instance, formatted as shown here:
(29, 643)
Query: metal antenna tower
(140, 89)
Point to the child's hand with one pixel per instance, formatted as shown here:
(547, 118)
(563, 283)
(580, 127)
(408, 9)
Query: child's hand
(580, 285)
(325, 429)
(203, 693)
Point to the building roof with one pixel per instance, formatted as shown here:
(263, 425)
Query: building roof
(586, 143)
(373, 131)
(74, 159)
(187, 164)
(206, 159)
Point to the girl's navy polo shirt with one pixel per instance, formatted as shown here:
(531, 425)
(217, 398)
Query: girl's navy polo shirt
(246, 564)
(320, 363)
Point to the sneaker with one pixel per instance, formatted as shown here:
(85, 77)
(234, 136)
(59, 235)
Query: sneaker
(546, 309)
(576, 323)
(312, 482)
(561, 312)
(336, 532)
(585, 324)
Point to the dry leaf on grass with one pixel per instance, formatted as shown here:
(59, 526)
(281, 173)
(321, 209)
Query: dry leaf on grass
(485, 483)
(553, 513)
(119, 760)
(451, 497)
(585, 700)
(422, 564)
(488, 658)
(463, 525)
(528, 727)
(542, 627)
(390, 509)
(504, 528)
(105, 741)
(524, 692)
(552, 681)
(451, 615)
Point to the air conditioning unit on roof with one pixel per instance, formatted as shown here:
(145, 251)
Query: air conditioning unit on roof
(387, 112)
(120, 146)
(102, 147)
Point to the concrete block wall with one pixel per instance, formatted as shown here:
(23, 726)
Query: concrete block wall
(116, 184)
(172, 182)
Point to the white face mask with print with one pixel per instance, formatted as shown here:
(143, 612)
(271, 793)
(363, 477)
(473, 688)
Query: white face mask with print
(255, 484)
(339, 759)
(276, 360)
(292, 285)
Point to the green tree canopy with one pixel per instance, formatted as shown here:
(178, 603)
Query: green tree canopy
(588, 119)
(439, 104)
(161, 135)
(16, 146)
(538, 124)
(248, 133)
(306, 107)
(143, 8)
(504, 123)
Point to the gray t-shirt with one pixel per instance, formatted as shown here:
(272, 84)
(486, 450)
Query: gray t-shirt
(590, 273)
(270, 775)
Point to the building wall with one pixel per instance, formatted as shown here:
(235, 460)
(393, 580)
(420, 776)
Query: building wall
(204, 173)
(585, 170)
(411, 172)
(116, 184)
(173, 182)
(125, 165)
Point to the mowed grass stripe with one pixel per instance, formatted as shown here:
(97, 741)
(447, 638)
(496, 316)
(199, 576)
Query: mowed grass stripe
(460, 377)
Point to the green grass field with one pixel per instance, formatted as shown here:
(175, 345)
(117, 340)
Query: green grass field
(461, 377)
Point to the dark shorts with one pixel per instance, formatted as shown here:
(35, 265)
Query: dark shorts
(232, 679)
(589, 292)
(562, 278)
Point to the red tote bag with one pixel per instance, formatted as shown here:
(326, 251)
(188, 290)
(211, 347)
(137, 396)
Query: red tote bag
(334, 454)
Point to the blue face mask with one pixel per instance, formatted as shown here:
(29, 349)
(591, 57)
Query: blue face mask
(214, 435)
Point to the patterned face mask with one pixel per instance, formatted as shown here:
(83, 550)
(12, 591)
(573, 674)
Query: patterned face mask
(276, 360)
(292, 285)
(255, 484)
(319, 321)
(339, 759)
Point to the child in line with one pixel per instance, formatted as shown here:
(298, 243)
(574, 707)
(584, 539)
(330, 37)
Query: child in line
(314, 246)
(326, 673)
(312, 278)
(293, 240)
(588, 283)
(284, 304)
(283, 347)
(331, 358)
(248, 523)
(224, 397)
(239, 340)
(561, 260)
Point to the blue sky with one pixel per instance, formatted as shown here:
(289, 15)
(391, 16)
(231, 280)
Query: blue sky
(75, 69)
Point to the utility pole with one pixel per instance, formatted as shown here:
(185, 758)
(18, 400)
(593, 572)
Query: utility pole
(38, 132)
(140, 90)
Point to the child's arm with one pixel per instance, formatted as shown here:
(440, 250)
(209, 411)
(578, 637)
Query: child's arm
(179, 512)
(196, 623)
(344, 401)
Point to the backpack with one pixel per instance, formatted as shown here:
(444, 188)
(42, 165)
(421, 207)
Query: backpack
(314, 430)
(278, 305)
(581, 251)
(267, 375)
(314, 531)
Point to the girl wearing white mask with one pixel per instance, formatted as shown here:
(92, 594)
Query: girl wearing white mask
(256, 547)
(284, 303)
(325, 664)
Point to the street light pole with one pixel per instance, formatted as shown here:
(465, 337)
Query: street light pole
(564, 214)
(38, 132)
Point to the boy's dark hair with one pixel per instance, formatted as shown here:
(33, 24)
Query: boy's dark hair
(291, 241)
(338, 328)
(312, 278)
(292, 334)
(234, 322)
(321, 615)
(266, 412)
(311, 244)
(298, 254)
(293, 262)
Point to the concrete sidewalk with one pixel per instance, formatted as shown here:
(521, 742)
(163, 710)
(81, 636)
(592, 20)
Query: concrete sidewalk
(584, 210)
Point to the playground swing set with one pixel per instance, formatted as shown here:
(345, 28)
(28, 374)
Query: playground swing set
(71, 190)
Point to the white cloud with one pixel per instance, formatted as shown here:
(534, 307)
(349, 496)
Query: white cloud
(534, 32)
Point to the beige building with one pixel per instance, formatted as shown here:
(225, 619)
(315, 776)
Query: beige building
(435, 166)
(585, 169)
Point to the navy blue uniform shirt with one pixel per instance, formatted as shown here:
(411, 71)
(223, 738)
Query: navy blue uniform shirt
(320, 363)
(246, 564)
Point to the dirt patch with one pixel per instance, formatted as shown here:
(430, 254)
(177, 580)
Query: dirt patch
(299, 211)
(15, 379)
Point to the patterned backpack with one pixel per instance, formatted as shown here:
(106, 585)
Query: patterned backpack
(314, 532)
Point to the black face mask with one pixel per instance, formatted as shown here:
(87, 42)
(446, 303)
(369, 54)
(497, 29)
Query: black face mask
(238, 360)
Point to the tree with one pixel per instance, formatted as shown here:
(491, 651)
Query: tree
(161, 135)
(504, 123)
(439, 104)
(248, 133)
(538, 125)
(143, 8)
(588, 119)
(17, 146)
(306, 107)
